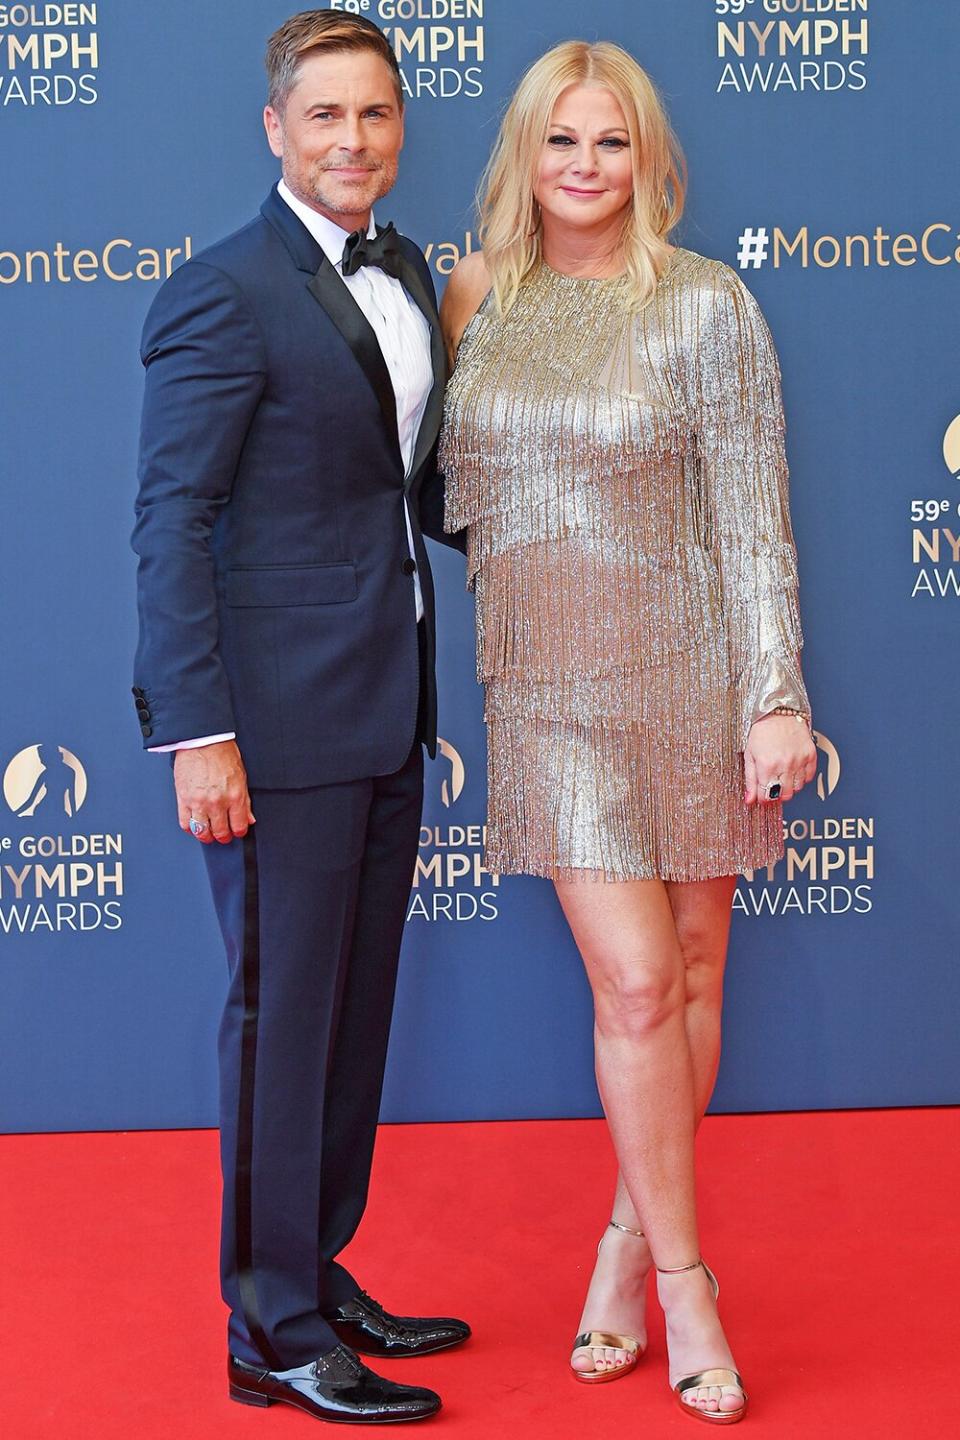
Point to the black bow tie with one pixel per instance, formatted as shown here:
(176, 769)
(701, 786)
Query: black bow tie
(382, 249)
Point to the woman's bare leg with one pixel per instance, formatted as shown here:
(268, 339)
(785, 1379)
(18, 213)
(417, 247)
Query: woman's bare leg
(701, 911)
(653, 1092)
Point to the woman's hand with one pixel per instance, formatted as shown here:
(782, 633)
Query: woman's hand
(780, 749)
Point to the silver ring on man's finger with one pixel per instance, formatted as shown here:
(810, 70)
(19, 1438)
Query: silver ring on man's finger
(198, 827)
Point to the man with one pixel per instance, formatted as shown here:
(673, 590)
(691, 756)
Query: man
(294, 386)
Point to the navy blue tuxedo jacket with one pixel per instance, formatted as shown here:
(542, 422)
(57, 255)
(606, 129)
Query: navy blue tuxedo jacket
(275, 584)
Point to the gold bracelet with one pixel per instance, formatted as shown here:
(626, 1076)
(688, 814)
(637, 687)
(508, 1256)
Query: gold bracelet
(800, 715)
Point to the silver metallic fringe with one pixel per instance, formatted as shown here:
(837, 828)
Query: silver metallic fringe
(624, 486)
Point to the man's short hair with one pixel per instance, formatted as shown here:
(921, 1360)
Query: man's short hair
(314, 32)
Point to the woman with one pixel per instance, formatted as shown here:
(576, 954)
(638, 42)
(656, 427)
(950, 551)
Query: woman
(613, 445)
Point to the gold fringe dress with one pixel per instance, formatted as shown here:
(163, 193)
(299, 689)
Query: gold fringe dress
(623, 484)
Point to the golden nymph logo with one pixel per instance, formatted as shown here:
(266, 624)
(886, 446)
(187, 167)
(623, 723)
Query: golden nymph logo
(452, 787)
(935, 549)
(51, 881)
(439, 44)
(828, 778)
(951, 447)
(50, 773)
(828, 861)
(450, 881)
(49, 55)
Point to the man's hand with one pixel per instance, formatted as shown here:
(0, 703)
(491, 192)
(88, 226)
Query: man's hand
(211, 785)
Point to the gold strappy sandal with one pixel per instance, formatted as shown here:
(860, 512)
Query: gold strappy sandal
(602, 1339)
(718, 1376)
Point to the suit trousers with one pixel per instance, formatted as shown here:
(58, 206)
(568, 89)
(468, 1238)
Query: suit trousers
(311, 904)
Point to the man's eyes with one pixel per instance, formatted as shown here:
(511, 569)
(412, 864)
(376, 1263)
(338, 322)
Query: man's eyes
(329, 115)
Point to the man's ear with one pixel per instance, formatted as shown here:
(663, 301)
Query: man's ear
(274, 128)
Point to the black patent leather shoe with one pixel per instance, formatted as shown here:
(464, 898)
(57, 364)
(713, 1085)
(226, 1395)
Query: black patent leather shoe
(364, 1325)
(336, 1387)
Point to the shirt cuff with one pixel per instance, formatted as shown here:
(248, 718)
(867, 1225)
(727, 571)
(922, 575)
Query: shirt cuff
(191, 744)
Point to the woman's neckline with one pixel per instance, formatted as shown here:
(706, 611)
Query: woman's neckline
(583, 279)
(676, 250)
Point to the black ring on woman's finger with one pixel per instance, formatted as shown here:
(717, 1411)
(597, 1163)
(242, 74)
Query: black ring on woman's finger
(774, 790)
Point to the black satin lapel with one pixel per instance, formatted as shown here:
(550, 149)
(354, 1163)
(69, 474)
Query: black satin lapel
(305, 252)
(433, 413)
(328, 290)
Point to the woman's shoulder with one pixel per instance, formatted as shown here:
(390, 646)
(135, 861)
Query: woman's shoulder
(714, 291)
(470, 275)
(691, 271)
(467, 288)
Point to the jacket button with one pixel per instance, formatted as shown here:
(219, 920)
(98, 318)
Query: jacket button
(142, 705)
(409, 566)
(137, 691)
(146, 731)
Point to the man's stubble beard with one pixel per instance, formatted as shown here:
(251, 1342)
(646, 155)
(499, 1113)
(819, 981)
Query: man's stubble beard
(343, 197)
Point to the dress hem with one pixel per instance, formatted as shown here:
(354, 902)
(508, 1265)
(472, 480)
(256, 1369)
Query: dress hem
(543, 870)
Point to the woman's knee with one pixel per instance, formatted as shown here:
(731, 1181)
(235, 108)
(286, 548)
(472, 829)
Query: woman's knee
(704, 954)
(636, 999)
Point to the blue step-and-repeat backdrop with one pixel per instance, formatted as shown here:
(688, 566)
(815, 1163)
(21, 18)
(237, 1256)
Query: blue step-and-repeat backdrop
(822, 137)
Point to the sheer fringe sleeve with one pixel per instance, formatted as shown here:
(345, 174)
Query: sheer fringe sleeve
(745, 483)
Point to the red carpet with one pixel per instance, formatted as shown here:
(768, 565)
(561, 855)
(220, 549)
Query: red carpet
(834, 1236)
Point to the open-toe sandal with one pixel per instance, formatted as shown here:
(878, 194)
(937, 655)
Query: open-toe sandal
(605, 1340)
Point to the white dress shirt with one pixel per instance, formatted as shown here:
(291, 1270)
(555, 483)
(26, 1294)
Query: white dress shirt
(403, 335)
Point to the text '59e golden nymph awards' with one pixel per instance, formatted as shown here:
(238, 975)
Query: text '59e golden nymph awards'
(775, 47)
(439, 44)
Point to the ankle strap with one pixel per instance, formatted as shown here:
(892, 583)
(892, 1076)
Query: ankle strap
(615, 1225)
(677, 1269)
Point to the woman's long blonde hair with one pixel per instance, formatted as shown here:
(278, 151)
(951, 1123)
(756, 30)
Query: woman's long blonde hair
(510, 225)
